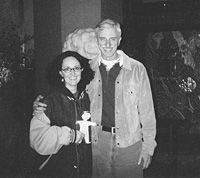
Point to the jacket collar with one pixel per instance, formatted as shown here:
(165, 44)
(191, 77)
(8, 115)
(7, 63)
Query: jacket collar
(62, 89)
(124, 61)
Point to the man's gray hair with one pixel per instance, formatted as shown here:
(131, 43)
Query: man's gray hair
(101, 25)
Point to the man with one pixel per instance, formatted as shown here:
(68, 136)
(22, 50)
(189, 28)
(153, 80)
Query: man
(122, 107)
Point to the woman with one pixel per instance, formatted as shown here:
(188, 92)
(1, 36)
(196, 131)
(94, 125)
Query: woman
(55, 132)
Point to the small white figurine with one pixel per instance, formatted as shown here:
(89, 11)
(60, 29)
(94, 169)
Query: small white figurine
(84, 124)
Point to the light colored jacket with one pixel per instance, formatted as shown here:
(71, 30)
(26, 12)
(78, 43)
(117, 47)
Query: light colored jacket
(134, 109)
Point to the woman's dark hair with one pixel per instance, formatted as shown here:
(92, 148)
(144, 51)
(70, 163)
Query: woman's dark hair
(55, 78)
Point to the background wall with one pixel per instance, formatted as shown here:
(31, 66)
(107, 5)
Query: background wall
(9, 11)
(79, 14)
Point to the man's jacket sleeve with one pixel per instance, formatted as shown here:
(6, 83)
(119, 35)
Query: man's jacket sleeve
(147, 115)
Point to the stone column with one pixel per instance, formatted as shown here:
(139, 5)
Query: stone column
(47, 39)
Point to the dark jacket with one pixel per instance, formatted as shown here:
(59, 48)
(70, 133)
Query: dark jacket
(63, 110)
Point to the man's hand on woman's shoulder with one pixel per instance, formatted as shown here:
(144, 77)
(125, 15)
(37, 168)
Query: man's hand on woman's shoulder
(38, 106)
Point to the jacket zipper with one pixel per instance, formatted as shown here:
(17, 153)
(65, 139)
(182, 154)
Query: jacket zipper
(77, 154)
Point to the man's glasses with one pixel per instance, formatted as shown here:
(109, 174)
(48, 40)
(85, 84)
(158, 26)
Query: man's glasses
(75, 69)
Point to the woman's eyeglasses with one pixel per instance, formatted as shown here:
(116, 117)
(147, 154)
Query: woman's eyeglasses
(75, 69)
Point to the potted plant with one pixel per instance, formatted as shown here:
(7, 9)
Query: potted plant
(13, 56)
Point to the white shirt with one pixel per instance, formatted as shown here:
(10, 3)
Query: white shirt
(110, 64)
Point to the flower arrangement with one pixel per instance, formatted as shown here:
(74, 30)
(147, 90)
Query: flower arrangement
(5, 75)
(177, 95)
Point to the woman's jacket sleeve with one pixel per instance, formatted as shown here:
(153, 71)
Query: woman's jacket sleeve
(47, 139)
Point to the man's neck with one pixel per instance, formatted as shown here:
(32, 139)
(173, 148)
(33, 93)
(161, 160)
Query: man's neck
(111, 58)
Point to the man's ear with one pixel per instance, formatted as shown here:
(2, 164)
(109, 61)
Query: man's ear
(119, 40)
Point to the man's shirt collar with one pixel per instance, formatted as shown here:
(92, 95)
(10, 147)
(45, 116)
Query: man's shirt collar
(120, 60)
